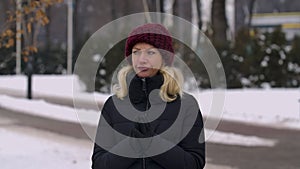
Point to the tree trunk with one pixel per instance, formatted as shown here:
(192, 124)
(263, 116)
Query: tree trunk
(76, 23)
(47, 29)
(113, 11)
(161, 6)
(198, 5)
(183, 9)
(219, 23)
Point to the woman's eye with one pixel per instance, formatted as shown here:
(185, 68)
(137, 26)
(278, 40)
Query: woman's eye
(151, 52)
(139, 52)
(136, 52)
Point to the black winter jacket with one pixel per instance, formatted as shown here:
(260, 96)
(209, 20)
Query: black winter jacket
(189, 153)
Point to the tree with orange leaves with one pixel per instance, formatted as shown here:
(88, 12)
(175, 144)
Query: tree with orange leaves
(32, 17)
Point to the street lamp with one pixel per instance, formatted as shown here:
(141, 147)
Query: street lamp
(29, 72)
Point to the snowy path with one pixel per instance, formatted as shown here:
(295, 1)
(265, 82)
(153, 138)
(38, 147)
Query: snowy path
(29, 148)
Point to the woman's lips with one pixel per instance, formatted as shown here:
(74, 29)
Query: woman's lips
(143, 68)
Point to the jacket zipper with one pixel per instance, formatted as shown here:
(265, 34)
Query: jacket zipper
(144, 88)
(144, 163)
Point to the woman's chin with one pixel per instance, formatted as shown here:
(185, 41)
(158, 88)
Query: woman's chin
(143, 74)
(148, 73)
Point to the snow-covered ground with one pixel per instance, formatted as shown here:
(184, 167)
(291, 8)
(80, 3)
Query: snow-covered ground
(46, 150)
(270, 107)
(279, 108)
(30, 148)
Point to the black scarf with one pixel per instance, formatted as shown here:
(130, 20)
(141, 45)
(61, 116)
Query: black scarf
(139, 89)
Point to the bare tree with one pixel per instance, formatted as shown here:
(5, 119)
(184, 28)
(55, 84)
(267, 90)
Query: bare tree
(183, 9)
(198, 7)
(161, 5)
(219, 23)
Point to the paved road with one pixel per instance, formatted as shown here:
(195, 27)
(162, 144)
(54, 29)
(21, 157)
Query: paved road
(285, 155)
(54, 125)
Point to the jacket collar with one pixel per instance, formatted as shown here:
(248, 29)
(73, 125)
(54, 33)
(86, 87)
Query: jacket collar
(139, 88)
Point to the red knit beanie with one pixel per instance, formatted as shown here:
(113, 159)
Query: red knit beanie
(154, 34)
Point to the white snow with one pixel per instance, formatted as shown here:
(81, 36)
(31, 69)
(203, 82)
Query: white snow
(33, 149)
(279, 108)
(241, 140)
(49, 110)
(272, 107)
(59, 85)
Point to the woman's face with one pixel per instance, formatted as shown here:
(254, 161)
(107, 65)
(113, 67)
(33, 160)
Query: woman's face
(146, 60)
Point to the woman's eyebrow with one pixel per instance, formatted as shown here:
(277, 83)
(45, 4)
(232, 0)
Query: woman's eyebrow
(136, 48)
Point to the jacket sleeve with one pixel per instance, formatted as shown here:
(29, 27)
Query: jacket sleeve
(103, 159)
(189, 152)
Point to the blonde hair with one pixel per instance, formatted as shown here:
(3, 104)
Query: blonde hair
(169, 91)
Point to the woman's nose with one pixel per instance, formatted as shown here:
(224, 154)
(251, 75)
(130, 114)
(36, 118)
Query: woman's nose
(143, 57)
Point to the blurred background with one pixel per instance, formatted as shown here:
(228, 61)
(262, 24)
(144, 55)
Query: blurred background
(258, 42)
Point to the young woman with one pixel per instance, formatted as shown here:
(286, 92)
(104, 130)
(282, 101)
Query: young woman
(155, 124)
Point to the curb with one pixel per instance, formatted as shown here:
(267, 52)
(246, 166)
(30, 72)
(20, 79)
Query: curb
(60, 100)
(54, 125)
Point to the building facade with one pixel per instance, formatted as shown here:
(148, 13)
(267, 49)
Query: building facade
(268, 15)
